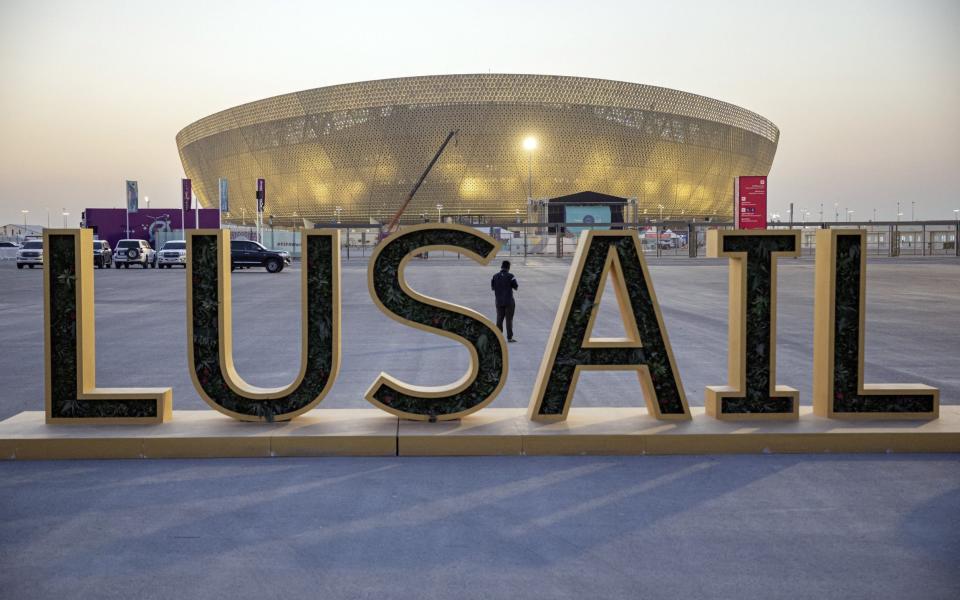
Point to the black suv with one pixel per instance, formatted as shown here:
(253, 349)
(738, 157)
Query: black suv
(102, 255)
(245, 254)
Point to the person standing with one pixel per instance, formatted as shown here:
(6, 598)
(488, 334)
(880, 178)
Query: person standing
(503, 284)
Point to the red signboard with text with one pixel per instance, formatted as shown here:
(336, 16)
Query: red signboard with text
(750, 202)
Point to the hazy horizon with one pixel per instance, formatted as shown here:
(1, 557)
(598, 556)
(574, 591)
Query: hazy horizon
(865, 93)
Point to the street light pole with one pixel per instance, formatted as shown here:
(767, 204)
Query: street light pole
(956, 232)
(65, 215)
(439, 208)
(913, 205)
(296, 224)
(530, 174)
(530, 144)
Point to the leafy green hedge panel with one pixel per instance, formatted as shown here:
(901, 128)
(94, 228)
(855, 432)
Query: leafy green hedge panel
(847, 342)
(320, 342)
(571, 352)
(758, 350)
(61, 260)
(386, 285)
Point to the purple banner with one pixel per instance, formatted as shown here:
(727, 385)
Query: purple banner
(109, 223)
(261, 194)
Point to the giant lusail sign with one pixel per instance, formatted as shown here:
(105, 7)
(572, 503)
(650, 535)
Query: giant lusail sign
(752, 391)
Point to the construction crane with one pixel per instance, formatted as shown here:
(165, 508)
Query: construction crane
(394, 222)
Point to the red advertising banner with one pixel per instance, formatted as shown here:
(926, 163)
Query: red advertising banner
(750, 202)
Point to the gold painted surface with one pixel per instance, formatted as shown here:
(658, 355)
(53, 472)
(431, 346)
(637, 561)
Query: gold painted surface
(613, 269)
(494, 431)
(824, 322)
(490, 432)
(467, 379)
(87, 344)
(204, 434)
(225, 328)
(737, 328)
(361, 146)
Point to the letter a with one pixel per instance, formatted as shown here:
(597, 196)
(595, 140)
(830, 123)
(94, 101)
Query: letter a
(645, 350)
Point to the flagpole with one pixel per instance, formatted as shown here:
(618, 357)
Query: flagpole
(224, 198)
(186, 197)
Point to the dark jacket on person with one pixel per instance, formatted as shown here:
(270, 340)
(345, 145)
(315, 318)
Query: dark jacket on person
(503, 284)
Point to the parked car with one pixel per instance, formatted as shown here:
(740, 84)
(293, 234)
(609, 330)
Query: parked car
(245, 254)
(30, 254)
(134, 252)
(173, 252)
(8, 250)
(102, 255)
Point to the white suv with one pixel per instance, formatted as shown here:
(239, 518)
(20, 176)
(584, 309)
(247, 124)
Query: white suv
(172, 253)
(31, 253)
(134, 252)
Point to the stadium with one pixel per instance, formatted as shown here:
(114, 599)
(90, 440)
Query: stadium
(353, 152)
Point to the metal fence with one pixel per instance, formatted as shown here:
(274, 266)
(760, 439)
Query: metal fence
(664, 239)
(669, 238)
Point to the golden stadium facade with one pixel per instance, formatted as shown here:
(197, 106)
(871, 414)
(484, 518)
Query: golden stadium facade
(360, 147)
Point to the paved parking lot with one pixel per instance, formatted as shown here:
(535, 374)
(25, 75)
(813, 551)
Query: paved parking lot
(563, 527)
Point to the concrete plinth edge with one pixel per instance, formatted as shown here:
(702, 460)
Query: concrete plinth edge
(492, 431)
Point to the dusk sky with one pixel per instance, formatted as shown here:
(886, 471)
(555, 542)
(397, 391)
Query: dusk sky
(866, 93)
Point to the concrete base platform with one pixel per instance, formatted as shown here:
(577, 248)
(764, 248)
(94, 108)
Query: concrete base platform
(492, 431)
(204, 434)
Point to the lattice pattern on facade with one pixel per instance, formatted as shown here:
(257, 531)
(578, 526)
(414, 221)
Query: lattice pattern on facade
(360, 147)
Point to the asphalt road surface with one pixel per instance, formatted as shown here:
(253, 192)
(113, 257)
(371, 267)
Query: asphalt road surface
(801, 526)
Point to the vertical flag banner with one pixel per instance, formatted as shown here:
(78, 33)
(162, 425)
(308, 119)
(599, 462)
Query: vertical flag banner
(261, 195)
(133, 196)
(224, 201)
(187, 193)
(750, 202)
(186, 198)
